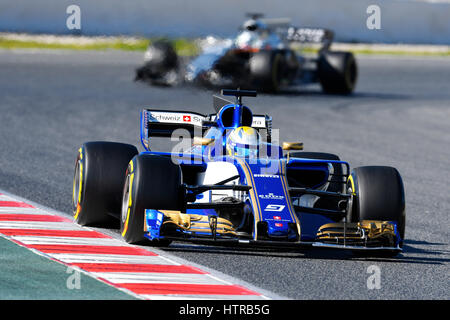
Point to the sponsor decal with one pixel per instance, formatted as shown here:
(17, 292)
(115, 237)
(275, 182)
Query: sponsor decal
(276, 176)
(169, 117)
(305, 34)
(164, 117)
(271, 196)
(276, 218)
(259, 122)
(274, 207)
(278, 225)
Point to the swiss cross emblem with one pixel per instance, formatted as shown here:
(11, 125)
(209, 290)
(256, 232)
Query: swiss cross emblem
(277, 217)
(187, 118)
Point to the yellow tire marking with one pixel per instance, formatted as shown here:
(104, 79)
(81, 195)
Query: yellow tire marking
(130, 201)
(352, 183)
(77, 212)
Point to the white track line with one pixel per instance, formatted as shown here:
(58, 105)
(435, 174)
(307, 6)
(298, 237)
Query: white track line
(156, 277)
(18, 210)
(39, 225)
(72, 258)
(29, 240)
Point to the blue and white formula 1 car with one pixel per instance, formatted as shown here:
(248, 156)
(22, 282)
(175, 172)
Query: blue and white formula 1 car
(232, 185)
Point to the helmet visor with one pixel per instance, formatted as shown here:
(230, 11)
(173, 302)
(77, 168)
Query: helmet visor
(244, 150)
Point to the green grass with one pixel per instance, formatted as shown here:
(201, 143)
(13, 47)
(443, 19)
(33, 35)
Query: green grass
(386, 52)
(399, 52)
(183, 46)
(139, 45)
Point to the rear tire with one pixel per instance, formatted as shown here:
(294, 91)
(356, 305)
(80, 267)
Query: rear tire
(337, 72)
(98, 181)
(152, 182)
(266, 70)
(378, 195)
(161, 58)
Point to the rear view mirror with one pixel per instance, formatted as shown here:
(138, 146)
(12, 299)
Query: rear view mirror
(292, 146)
(199, 141)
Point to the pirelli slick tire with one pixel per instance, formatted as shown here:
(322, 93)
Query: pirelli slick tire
(337, 72)
(266, 70)
(160, 58)
(378, 194)
(98, 182)
(152, 182)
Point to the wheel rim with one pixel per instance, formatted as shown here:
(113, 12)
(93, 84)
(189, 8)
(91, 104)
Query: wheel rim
(350, 213)
(125, 199)
(76, 186)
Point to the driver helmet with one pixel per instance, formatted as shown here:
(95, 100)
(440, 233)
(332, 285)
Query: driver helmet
(251, 34)
(251, 25)
(243, 142)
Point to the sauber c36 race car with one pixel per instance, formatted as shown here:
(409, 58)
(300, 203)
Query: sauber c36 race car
(234, 184)
(262, 56)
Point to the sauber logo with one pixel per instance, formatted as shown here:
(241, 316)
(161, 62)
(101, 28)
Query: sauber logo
(187, 118)
(267, 176)
(271, 196)
(274, 207)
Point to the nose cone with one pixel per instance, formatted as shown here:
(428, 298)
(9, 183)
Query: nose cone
(278, 228)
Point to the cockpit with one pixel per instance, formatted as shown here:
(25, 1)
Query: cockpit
(255, 36)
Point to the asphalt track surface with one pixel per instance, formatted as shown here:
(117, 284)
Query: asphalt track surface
(53, 101)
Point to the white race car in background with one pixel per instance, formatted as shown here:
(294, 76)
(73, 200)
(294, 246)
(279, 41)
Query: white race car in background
(260, 57)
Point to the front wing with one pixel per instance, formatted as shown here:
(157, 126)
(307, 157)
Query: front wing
(367, 235)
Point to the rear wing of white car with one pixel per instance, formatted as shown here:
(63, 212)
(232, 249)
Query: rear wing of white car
(310, 35)
(291, 33)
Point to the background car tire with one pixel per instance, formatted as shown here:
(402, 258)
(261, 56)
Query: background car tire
(337, 72)
(378, 195)
(98, 181)
(152, 182)
(160, 58)
(266, 70)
